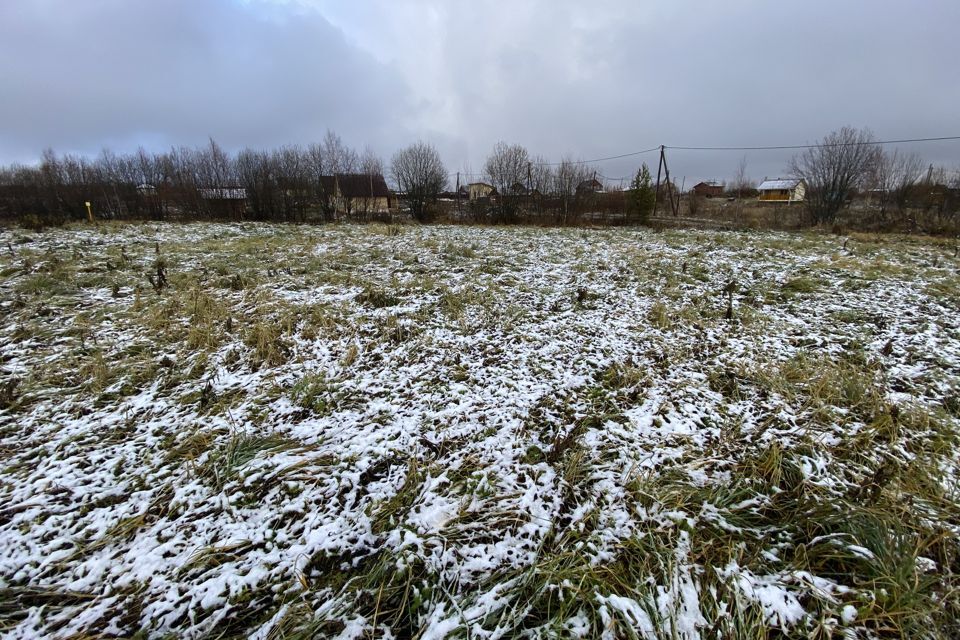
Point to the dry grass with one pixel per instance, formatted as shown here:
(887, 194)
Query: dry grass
(531, 433)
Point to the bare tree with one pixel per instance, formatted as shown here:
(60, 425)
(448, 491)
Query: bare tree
(51, 182)
(292, 171)
(24, 195)
(214, 166)
(742, 184)
(320, 170)
(540, 177)
(833, 169)
(420, 174)
(541, 174)
(741, 181)
(933, 195)
(152, 181)
(185, 179)
(255, 172)
(316, 159)
(79, 185)
(506, 166)
(339, 158)
(370, 163)
(952, 206)
(892, 176)
(567, 177)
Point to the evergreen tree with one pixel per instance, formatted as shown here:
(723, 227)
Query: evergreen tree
(641, 195)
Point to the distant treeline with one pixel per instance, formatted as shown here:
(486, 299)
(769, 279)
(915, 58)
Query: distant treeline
(292, 184)
(283, 184)
(303, 184)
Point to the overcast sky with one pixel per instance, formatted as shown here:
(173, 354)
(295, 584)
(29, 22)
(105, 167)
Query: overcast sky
(592, 78)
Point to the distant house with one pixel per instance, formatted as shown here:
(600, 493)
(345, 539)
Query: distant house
(590, 186)
(782, 190)
(224, 193)
(708, 189)
(225, 201)
(480, 190)
(357, 192)
(520, 189)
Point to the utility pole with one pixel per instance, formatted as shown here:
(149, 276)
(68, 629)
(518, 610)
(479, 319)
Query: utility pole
(656, 194)
(529, 184)
(670, 189)
(458, 196)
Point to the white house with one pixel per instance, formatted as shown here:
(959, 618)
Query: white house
(480, 190)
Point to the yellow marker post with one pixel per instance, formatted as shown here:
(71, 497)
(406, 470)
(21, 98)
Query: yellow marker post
(89, 212)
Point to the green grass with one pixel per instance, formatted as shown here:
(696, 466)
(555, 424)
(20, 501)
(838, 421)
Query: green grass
(801, 284)
(225, 463)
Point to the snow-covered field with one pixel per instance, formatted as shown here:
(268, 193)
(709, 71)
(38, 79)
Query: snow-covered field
(366, 431)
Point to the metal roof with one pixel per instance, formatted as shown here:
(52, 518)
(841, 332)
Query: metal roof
(779, 183)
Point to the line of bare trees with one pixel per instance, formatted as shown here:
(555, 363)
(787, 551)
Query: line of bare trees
(528, 187)
(894, 186)
(293, 184)
(284, 184)
(525, 188)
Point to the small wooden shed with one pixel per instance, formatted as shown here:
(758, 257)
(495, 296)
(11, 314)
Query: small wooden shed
(782, 190)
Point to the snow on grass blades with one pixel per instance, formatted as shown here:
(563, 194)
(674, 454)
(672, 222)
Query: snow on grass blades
(353, 431)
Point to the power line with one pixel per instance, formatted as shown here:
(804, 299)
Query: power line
(620, 179)
(813, 146)
(557, 164)
(622, 155)
(757, 148)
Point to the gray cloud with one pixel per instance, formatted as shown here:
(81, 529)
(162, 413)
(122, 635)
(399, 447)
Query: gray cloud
(589, 79)
(622, 77)
(80, 75)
